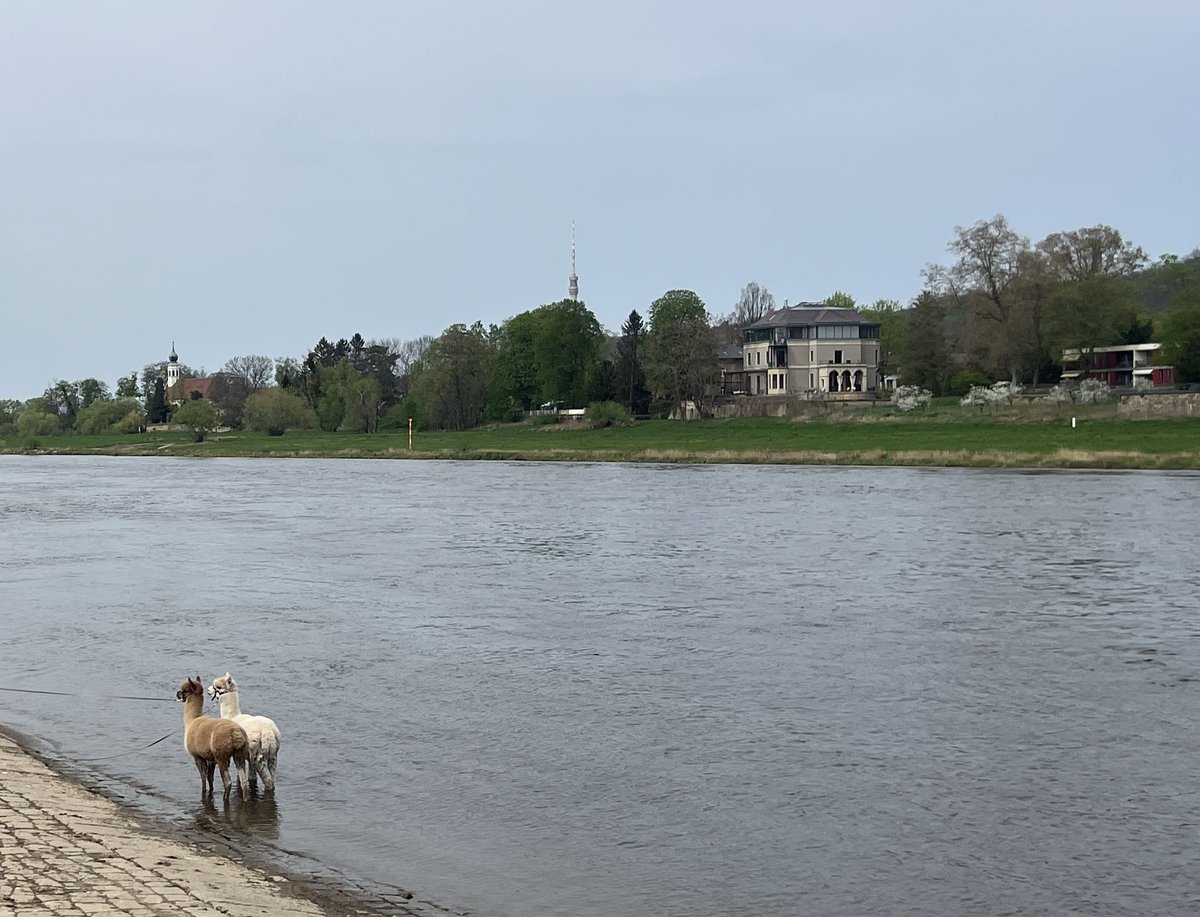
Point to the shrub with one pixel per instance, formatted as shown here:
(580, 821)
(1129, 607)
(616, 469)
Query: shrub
(275, 410)
(37, 423)
(911, 397)
(606, 413)
(989, 396)
(961, 383)
(109, 417)
(199, 416)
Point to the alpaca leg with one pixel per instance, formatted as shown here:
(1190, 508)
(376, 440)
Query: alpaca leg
(203, 769)
(243, 782)
(224, 762)
(273, 765)
(210, 768)
(262, 765)
(253, 771)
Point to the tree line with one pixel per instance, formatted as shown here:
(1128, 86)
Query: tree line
(1002, 308)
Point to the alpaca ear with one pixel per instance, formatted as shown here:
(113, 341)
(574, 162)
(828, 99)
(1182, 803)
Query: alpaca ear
(227, 675)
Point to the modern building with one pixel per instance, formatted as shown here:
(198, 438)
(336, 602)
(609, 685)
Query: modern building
(811, 348)
(1120, 366)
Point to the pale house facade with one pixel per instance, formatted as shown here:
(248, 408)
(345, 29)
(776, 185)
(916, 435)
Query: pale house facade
(809, 349)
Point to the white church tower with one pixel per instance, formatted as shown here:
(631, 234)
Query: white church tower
(172, 368)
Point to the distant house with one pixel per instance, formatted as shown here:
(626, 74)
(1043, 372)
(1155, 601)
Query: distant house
(811, 348)
(1120, 366)
(733, 371)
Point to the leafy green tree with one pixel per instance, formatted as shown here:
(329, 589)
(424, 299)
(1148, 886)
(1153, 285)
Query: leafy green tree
(287, 371)
(566, 347)
(34, 422)
(674, 306)
(891, 317)
(9, 410)
(228, 393)
(925, 353)
(681, 351)
(451, 389)
(1181, 339)
(152, 371)
(62, 400)
(547, 354)
(515, 369)
(109, 417)
(1093, 312)
(602, 383)
(127, 386)
(840, 300)
(362, 403)
(199, 415)
(275, 410)
(630, 377)
(90, 391)
(681, 362)
(156, 402)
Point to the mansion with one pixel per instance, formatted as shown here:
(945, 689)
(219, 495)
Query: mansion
(810, 348)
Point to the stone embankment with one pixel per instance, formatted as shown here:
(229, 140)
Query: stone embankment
(65, 850)
(1167, 404)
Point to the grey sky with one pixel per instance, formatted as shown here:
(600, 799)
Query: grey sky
(247, 177)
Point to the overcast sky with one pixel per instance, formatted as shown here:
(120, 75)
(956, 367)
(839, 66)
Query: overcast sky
(243, 178)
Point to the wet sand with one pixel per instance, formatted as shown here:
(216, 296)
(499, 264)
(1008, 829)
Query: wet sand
(65, 849)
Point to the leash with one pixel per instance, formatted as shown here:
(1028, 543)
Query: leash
(103, 696)
(134, 751)
(69, 694)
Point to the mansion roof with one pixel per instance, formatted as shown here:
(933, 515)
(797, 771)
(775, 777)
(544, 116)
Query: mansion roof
(811, 314)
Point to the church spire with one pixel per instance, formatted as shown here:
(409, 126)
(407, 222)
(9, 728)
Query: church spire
(573, 281)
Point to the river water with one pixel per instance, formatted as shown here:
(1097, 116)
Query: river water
(567, 689)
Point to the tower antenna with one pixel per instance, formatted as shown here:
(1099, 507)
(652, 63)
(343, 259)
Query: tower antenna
(573, 281)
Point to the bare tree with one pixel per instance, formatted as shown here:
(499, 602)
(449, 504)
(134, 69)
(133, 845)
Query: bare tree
(1094, 251)
(408, 354)
(254, 370)
(984, 277)
(753, 304)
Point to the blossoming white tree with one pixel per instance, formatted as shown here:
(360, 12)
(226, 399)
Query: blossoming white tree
(911, 397)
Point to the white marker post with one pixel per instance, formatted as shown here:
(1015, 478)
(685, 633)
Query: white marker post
(410, 432)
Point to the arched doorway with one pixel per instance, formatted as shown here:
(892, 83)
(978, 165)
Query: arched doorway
(833, 380)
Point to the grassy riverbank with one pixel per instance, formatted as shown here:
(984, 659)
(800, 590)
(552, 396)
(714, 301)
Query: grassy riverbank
(947, 438)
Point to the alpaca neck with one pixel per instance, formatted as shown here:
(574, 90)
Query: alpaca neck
(230, 706)
(193, 707)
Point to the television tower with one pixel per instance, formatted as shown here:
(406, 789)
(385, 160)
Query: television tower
(573, 281)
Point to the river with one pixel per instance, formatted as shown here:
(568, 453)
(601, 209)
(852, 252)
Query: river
(598, 690)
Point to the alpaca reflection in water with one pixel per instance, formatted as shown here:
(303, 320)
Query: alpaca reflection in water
(256, 817)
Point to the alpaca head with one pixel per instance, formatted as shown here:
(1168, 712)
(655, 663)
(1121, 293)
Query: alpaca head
(223, 685)
(190, 688)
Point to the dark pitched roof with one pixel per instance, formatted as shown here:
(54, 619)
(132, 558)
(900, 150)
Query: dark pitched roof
(729, 352)
(184, 387)
(811, 314)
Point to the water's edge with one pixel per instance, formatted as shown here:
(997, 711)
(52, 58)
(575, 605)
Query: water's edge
(335, 893)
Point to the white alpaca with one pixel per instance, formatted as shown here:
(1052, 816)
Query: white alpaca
(261, 730)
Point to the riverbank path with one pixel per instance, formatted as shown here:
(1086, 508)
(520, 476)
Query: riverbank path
(65, 850)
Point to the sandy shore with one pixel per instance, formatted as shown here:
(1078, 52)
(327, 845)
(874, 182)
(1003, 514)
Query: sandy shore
(67, 850)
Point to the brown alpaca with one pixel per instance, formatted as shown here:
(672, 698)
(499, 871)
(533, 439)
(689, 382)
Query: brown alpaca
(212, 742)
